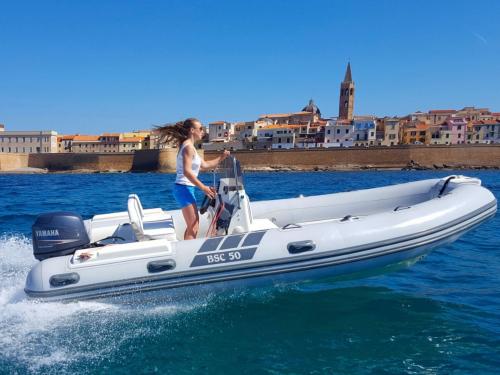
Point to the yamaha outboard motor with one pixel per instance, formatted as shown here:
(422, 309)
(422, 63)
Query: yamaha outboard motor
(58, 233)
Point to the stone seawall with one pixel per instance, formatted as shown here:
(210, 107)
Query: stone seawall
(142, 160)
(463, 156)
(9, 162)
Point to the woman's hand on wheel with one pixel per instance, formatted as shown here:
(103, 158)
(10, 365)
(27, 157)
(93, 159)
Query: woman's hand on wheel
(209, 191)
(224, 155)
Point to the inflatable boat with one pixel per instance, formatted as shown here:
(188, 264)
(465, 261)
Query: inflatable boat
(242, 243)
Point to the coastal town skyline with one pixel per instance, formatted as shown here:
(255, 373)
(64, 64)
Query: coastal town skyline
(108, 67)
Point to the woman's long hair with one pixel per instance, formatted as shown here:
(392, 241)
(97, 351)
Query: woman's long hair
(176, 133)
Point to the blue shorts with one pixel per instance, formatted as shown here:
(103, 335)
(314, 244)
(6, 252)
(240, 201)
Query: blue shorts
(184, 195)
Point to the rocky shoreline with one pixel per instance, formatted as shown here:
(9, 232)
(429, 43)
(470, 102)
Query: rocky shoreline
(411, 166)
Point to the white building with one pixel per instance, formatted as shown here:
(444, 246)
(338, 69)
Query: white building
(280, 136)
(220, 131)
(43, 141)
(248, 130)
(338, 133)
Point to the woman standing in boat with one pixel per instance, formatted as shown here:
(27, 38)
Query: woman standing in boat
(185, 134)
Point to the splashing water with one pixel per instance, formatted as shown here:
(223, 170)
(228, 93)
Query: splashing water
(36, 336)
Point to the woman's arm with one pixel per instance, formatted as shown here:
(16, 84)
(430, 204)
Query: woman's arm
(187, 159)
(210, 164)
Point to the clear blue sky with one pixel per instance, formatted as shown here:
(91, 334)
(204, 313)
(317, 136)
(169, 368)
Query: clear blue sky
(98, 65)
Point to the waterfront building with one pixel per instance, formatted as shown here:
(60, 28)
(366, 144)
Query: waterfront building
(469, 133)
(486, 131)
(346, 100)
(43, 141)
(364, 132)
(130, 144)
(310, 114)
(311, 135)
(147, 142)
(474, 114)
(65, 143)
(379, 131)
(458, 128)
(277, 136)
(414, 133)
(220, 131)
(135, 133)
(110, 142)
(419, 117)
(338, 133)
(435, 136)
(302, 117)
(390, 131)
(86, 144)
(439, 116)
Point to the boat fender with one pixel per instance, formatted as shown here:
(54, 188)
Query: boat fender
(301, 246)
(161, 265)
(64, 279)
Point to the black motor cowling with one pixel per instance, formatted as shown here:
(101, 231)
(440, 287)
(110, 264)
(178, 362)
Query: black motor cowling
(58, 233)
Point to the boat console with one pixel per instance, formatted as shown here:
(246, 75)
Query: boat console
(230, 211)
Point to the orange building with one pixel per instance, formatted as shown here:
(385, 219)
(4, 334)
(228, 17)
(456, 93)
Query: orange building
(414, 133)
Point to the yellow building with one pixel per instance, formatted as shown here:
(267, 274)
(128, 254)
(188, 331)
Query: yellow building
(130, 144)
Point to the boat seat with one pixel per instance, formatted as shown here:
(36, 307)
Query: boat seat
(156, 226)
(150, 215)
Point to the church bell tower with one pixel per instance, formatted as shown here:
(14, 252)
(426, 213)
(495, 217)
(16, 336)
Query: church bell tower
(346, 101)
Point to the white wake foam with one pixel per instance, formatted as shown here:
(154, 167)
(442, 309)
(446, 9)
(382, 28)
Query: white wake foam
(38, 336)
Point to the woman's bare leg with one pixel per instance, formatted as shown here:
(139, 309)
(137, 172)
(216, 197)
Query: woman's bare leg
(192, 220)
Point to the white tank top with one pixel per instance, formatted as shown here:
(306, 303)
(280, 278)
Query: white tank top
(195, 167)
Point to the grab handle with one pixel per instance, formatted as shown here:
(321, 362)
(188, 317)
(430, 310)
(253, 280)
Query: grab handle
(300, 246)
(161, 265)
(64, 279)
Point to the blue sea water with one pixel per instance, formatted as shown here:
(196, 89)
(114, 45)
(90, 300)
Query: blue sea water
(440, 316)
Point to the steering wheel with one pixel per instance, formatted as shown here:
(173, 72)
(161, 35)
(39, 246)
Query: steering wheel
(207, 201)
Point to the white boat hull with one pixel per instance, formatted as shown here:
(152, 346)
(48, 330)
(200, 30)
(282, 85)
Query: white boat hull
(298, 239)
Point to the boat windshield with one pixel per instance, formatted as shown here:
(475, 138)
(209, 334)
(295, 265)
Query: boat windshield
(230, 170)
